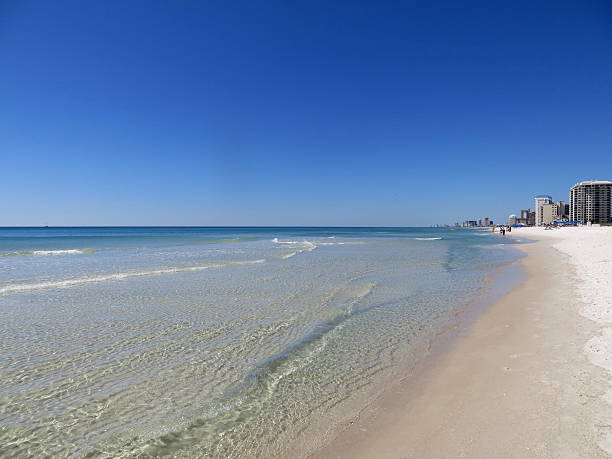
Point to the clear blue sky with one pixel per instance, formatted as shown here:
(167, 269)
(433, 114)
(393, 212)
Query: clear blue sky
(298, 113)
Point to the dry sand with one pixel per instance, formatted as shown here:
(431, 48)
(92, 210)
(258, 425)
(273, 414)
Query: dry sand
(518, 384)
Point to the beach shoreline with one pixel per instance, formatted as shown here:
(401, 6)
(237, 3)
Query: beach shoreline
(518, 383)
(189, 343)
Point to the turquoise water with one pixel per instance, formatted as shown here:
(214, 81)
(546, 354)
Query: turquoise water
(217, 342)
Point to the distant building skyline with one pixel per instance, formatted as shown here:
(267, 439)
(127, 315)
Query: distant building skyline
(481, 222)
(590, 201)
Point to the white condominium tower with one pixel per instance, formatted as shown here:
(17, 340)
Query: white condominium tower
(540, 201)
(590, 201)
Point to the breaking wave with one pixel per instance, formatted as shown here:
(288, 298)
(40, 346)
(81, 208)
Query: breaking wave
(308, 246)
(47, 252)
(304, 246)
(117, 276)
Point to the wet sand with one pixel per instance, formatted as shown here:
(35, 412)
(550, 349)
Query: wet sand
(517, 384)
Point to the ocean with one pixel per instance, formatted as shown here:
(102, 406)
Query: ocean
(219, 342)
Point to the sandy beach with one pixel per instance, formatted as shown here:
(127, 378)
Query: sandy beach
(529, 378)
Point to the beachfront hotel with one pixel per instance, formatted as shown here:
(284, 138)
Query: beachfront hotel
(547, 212)
(541, 201)
(591, 201)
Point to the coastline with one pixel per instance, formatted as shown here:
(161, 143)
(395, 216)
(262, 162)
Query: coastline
(517, 384)
(291, 348)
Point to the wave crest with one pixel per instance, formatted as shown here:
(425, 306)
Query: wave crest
(47, 252)
(117, 276)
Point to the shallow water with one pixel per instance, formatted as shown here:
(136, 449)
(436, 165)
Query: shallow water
(218, 342)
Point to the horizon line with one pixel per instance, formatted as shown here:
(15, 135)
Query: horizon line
(219, 226)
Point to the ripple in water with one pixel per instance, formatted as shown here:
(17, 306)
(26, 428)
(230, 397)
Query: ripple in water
(146, 351)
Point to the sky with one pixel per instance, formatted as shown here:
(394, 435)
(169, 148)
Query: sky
(335, 113)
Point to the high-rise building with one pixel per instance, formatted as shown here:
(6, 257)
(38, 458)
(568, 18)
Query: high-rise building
(562, 211)
(549, 213)
(527, 217)
(591, 201)
(540, 201)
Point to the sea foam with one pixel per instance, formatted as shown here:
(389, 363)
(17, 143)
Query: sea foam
(117, 276)
(47, 252)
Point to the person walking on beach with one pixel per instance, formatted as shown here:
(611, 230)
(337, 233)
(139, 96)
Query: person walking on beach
(502, 230)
